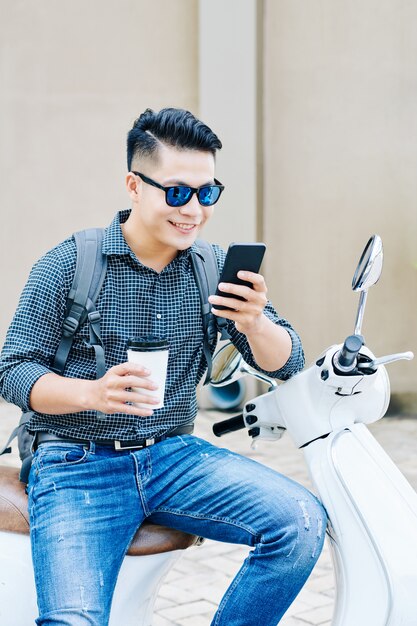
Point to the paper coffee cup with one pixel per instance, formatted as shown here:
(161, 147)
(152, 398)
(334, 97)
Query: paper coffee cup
(151, 352)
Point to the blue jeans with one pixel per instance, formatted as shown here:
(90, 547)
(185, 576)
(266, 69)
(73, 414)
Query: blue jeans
(86, 502)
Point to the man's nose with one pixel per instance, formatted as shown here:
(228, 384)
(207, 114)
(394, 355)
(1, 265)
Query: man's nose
(193, 207)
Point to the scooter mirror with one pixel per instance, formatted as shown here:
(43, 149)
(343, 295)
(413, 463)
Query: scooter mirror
(367, 274)
(226, 364)
(369, 267)
(229, 366)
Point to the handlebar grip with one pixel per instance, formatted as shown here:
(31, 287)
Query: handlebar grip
(350, 349)
(229, 425)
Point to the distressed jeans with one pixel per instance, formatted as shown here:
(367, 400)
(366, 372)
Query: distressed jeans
(86, 502)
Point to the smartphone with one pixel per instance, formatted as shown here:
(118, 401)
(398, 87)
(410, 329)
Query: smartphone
(240, 256)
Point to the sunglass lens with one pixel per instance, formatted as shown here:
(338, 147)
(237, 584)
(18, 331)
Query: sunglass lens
(178, 196)
(208, 195)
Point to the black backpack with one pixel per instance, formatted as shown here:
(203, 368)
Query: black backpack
(90, 272)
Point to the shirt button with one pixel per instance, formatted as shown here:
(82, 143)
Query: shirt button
(158, 316)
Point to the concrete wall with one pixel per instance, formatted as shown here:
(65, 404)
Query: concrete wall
(229, 101)
(329, 88)
(340, 104)
(73, 77)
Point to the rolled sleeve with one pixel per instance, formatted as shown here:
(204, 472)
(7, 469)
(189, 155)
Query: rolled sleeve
(295, 361)
(18, 383)
(34, 332)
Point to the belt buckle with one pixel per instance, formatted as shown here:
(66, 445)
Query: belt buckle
(118, 445)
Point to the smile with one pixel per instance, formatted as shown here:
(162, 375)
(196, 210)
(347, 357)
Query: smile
(184, 226)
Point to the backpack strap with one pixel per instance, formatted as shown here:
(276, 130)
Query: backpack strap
(90, 272)
(206, 274)
(24, 419)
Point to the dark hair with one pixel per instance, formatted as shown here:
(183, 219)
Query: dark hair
(174, 127)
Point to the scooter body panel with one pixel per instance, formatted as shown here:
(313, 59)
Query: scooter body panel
(17, 583)
(373, 532)
(310, 405)
(137, 586)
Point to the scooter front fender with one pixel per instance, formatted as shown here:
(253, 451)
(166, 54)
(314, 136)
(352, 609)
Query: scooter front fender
(373, 529)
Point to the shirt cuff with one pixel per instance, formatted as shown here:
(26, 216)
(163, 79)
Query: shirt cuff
(19, 382)
(295, 361)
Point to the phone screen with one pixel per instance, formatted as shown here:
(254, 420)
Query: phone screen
(240, 256)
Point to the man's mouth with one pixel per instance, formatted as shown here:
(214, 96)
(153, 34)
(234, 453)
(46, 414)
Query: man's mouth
(184, 227)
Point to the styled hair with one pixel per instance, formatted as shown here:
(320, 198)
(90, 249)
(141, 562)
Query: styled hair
(174, 127)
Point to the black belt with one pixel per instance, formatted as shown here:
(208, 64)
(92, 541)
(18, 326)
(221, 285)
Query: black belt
(131, 444)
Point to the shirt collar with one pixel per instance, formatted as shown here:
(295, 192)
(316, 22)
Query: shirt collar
(114, 242)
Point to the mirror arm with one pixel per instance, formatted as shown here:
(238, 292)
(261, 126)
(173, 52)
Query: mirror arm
(360, 313)
(246, 369)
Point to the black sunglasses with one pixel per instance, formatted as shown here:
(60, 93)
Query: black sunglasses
(179, 195)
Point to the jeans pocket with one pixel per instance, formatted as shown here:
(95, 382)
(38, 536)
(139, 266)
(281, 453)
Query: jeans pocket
(60, 455)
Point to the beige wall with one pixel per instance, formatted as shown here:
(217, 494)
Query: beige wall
(73, 77)
(339, 130)
(340, 107)
(228, 101)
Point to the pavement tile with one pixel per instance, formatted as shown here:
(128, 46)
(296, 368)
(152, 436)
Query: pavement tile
(173, 594)
(187, 610)
(215, 591)
(321, 583)
(223, 564)
(172, 576)
(196, 620)
(291, 621)
(183, 566)
(192, 582)
(163, 603)
(158, 620)
(238, 555)
(312, 598)
(317, 616)
(298, 606)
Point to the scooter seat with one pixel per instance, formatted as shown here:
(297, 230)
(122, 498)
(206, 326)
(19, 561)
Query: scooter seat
(149, 538)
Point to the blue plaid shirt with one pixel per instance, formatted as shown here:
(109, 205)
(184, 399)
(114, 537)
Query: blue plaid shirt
(135, 300)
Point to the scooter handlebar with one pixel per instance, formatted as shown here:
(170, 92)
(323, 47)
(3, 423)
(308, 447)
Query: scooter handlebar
(229, 425)
(345, 359)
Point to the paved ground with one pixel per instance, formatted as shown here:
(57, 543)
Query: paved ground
(193, 589)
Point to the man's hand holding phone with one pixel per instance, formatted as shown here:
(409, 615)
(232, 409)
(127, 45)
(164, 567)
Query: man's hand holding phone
(241, 294)
(242, 290)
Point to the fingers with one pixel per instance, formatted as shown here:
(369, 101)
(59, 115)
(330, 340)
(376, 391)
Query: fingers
(251, 298)
(257, 280)
(127, 401)
(120, 390)
(247, 313)
(248, 293)
(129, 381)
(124, 369)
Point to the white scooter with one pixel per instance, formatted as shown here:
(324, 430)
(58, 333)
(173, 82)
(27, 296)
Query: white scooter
(372, 509)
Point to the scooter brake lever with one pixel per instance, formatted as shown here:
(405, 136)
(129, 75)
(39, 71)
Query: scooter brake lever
(384, 360)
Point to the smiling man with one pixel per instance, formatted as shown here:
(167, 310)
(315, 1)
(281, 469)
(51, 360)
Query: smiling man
(137, 463)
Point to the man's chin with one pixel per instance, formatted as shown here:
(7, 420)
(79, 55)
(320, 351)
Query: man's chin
(184, 242)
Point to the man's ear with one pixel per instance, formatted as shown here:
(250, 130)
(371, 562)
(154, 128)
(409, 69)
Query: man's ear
(133, 186)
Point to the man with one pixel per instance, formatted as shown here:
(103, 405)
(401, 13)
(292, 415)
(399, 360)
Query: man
(180, 481)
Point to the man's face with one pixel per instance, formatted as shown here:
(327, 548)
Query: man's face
(158, 224)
